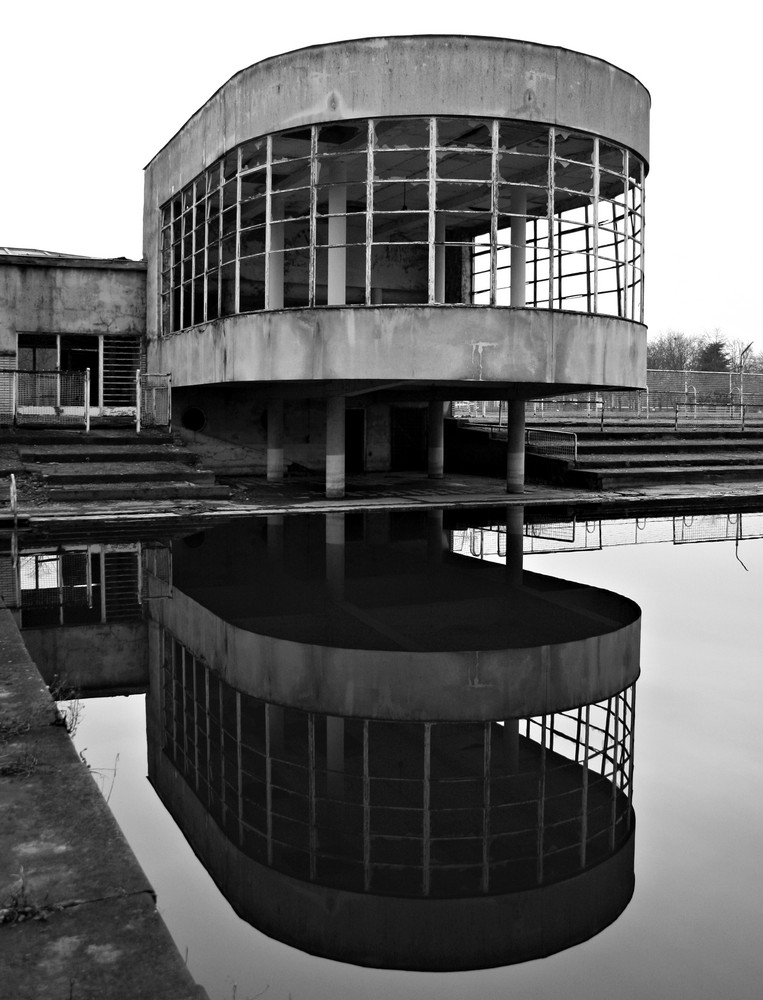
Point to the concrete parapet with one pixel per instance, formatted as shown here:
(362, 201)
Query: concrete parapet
(77, 914)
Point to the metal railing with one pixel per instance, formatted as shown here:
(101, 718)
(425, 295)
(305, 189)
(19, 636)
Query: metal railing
(153, 393)
(553, 444)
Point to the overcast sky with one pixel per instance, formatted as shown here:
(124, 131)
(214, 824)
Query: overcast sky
(93, 90)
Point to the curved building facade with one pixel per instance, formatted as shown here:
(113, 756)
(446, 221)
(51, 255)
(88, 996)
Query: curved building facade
(396, 222)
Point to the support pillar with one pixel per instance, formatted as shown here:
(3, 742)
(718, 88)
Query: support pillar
(439, 260)
(335, 757)
(515, 446)
(518, 247)
(337, 254)
(275, 464)
(511, 745)
(515, 537)
(435, 449)
(335, 555)
(275, 262)
(335, 450)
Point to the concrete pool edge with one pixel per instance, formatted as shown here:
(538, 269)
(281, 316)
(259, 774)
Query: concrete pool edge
(79, 915)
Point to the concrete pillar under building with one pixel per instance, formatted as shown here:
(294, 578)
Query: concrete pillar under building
(515, 538)
(275, 461)
(337, 236)
(437, 543)
(275, 262)
(335, 757)
(335, 451)
(515, 447)
(335, 555)
(275, 540)
(435, 449)
(518, 247)
(511, 745)
(439, 260)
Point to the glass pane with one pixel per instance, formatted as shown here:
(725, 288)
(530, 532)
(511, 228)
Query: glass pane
(469, 197)
(401, 165)
(394, 133)
(355, 198)
(292, 145)
(252, 281)
(253, 154)
(402, 227)
(253, 213)
(464, 133)
(571, 146)
(610, 157)
(399, 274)
(296, 278)
(253, 185)
(342, 136)
(252, 241)
(401, 196)
(291, 204)
(474, 166)
(523, 137)
(352, 168)
(290, 174)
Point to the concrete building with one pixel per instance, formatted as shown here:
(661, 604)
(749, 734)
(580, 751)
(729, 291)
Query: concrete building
(63, 315)
(345, 237)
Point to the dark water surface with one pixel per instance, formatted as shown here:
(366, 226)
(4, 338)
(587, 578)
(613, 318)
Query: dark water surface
(693, 925)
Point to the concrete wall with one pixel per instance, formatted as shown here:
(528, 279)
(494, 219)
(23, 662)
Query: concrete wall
(408, 685)
(93, 660)
(70, 295)
(543, 351)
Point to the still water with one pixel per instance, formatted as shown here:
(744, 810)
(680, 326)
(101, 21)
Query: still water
(415, 595)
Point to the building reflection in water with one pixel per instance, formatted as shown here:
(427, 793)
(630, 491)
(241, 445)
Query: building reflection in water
(389, 754)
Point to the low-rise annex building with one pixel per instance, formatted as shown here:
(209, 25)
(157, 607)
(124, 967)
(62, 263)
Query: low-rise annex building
(347, 236)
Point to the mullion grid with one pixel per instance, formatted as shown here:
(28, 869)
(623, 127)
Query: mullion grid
(619, 254)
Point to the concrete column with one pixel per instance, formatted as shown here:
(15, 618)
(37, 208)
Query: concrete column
(335, 555)
(518, 246)
(439, 260)
(511, 744)
(335, 757)
(275, 729)
(515, 538)
(515, 447)
(335, 446)
(436, 542)
(337, 254)
(435, 449)
(275, 260)
(275, 541)
(275, 463)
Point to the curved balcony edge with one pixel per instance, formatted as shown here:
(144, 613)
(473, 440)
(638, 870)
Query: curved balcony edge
(540, 350)
(458, 686)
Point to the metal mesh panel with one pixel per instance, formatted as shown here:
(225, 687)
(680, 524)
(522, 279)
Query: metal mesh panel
(155, 400)
(51, 397)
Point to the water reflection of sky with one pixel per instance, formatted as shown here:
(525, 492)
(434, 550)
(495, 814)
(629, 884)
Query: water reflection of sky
(693, 926)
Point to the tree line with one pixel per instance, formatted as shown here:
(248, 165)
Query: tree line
(703, 352)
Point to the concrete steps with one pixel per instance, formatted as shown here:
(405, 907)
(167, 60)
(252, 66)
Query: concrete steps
(113, 464)
(628, 456)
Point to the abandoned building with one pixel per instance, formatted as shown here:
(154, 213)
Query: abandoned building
(347, 237)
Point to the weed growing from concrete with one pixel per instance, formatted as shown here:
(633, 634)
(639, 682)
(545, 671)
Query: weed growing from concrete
(19, 905)
(69, 707)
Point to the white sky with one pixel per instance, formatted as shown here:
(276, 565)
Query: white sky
(91, 90)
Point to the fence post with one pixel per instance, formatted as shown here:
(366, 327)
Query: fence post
(675, 425)
(137, 401)
(601, 424)
(742, 408)
(87, 401)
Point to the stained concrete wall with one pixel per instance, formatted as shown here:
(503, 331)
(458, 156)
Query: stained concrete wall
(92, 660)
(70, 295)
(409, 685)
(539, 350)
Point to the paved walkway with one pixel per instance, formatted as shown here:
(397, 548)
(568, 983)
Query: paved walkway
(387, 491)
